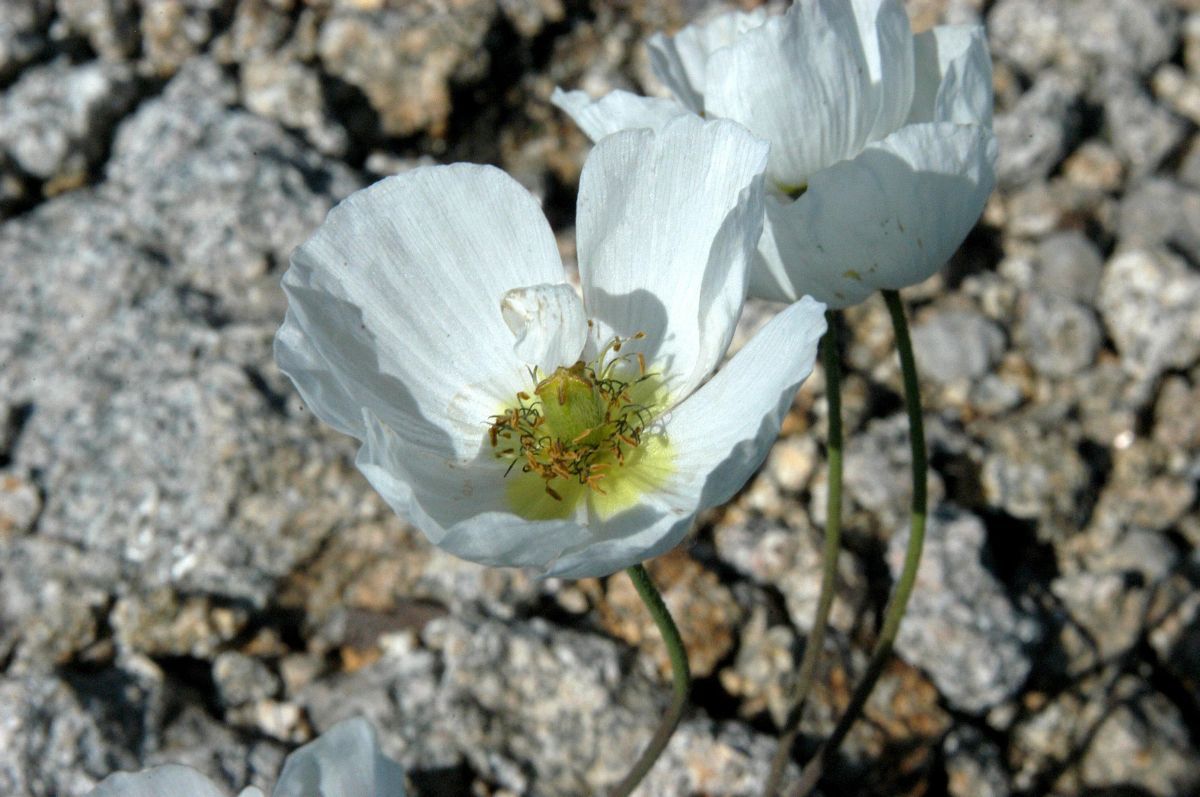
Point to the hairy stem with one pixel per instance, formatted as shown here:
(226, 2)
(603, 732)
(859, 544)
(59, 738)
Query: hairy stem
(894, 612)
(831, 360)
(681, 680)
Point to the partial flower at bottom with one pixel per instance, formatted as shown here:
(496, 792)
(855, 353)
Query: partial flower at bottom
(510, 420)
(343, 762)
(882, 152)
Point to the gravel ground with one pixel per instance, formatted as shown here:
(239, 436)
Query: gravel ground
(192, 570)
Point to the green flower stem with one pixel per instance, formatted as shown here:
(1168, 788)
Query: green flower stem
(831, 360)
(894, 612)
(681, 680)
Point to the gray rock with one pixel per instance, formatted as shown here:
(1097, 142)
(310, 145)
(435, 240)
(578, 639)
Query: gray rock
(241, 679)
(1060, 336)
(203, 184)
(1033, 471)
(22, 33)
(1035, 136)
(1159, 212)
(174, 31)
(60, 739)
(1142, 132)
(277, 87)
(1069, 265)
(956, 345)
(110, 26)
(1105, 734)
(961, 628)
(975, 766)
(1139, 285)
(55, 121)
(533, 709)
(404, 57)
(1132, 36)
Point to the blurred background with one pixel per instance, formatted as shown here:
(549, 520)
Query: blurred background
(192, 570)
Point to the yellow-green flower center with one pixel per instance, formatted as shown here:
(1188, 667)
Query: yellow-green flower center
(581, 433)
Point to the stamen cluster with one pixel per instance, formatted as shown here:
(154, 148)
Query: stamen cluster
(578, 423)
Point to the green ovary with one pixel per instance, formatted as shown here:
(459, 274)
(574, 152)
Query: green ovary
(584, 433)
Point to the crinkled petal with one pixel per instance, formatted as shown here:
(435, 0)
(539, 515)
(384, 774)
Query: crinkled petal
(171, 779)
(887, 42)
(463, 508)
(251, 791)
(345, 761)
(954, 76)
(548, 324)
(394, 303)
(887, 219)
(819, 82)
(617, 110)
(666, 229)
(681, 61)
(722, 432)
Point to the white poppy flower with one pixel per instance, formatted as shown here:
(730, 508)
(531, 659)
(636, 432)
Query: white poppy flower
(345, 761)
(882, 153)
(513, 423)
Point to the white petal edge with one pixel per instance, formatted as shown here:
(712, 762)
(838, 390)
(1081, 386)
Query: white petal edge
(345, 761)
(723, 431)
(548, 324)
(801, 81)
(954, 76)
(666, 229)
(171, 779)
(887, 219)
(398, 294)
(681, 61)
(615, 111)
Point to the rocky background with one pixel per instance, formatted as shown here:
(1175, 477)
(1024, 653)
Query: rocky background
(192, 570)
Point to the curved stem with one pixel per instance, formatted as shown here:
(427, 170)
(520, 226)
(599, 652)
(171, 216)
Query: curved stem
(894, 612)
(830, 359)
(680, 674)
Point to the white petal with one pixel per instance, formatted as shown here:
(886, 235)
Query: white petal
(399, 292)
(814, 84)
(617, 110)
(954, 76)
(464, 508)
(666, 229)
(887, 219)
(887, 42)
(548, 324)
(251, 791)
(643, 532)
(319, 385)
(681, 61)
(345, 761)
(164, 781)
(722, 432)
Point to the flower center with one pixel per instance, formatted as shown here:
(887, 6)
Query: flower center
(579, 424)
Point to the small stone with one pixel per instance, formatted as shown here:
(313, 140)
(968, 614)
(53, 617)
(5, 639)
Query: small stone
(242, 679)
(1061, 336)
(56, 118)
(960, 627)
(764, 671)
(975, 766)
(1142, 133)
(110, 26)
(1152, 284)
(1069, 265)
(22, 33)
(403, 58)
(1159, 212)
(1095, 165)
(1034, 136)
(957, 345)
